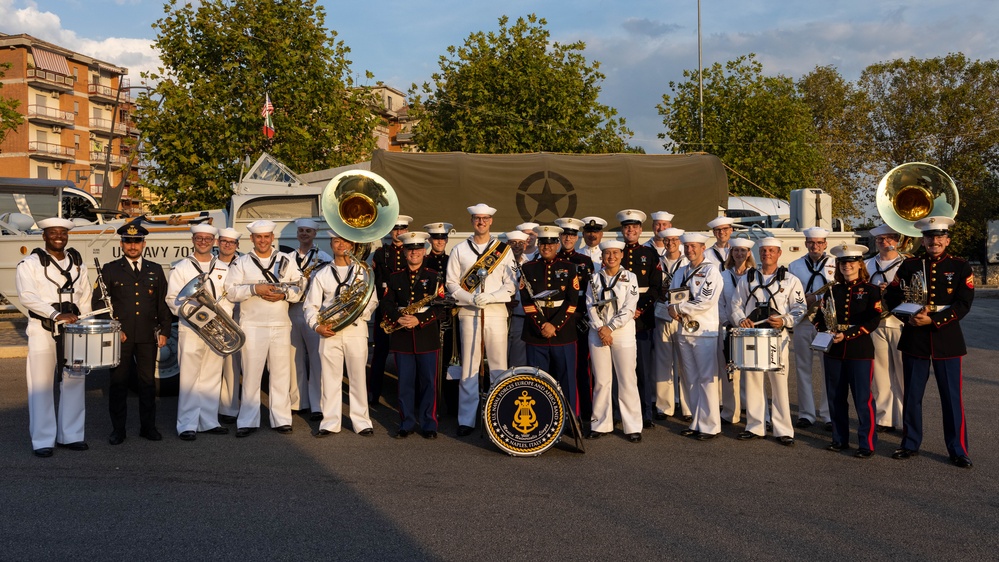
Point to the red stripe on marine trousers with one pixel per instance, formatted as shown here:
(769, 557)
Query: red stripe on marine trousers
(960, 400)
(870, 408)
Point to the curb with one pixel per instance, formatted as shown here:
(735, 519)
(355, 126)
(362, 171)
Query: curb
(13, 351)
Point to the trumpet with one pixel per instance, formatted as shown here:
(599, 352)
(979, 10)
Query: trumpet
(279, 286)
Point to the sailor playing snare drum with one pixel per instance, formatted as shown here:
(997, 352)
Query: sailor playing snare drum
(768, 297)
(54, 286)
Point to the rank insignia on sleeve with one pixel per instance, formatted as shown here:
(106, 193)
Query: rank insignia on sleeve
(575, 283)
(970, 281)
(877, 306)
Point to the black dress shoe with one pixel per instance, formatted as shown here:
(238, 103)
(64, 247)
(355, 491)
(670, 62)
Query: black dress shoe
(44, 452)
(687, 419)
(595, 435)
(884, 429)
(368, 432)
(218, 430)
(828, 426)
(150, 433)
(244, 431)
(401, 434)
(635, 437)
(725, 422)
(802, 423)
(316, 416)
(648, 424)
(116, 437)
(769, 426)
(227, 419)
(864, 454)
(786, 440)
(661, 415)
(465, 431)
(188, 435)
(283, 429)
(430, 434)
(688, 432)
(747, 435)
(78, 446)
(836, 447)
(322, 433)
(902, 454)
(706, 436)
(961, 462)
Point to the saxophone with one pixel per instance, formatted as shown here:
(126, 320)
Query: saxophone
(390, 325)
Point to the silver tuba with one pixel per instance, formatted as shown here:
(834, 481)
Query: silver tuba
(361, 207)
(208, 320)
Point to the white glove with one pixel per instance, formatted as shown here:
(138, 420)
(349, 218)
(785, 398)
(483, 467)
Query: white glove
(481, 300)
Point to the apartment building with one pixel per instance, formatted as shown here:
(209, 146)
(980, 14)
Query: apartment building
(393, 131)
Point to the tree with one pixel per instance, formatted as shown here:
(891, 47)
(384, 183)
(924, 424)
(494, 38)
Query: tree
(942, 111)
(515, 91)
(756, 124)
(220, 59)
(10, 118)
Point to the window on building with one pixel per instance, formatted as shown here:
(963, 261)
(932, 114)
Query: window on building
(40, 100)
(389, 103)
(76, 108)
(42, 173)
(76, 141)
(76, 74)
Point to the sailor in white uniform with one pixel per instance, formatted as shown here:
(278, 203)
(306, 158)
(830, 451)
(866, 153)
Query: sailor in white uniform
(51, 283)
(593, 234)
(232, 367)
(305, 388)
(263, 316)
(721, 227)
(888, 385)
(517, 350)
(611, 301)
(815, 269)
(483, 309)
(670, 385)
(697, 339)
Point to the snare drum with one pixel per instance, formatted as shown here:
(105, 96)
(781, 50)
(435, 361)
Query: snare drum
(525, 412)
(755, 349)
(92, 343)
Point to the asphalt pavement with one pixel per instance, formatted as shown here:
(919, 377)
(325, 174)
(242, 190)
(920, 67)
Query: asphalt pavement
(348, 497)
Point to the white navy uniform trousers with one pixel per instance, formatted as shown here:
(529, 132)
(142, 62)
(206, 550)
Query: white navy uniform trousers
(699, 349)
(268, 337)
(501, 286)
(669, 377)
(813, 277)
(621, 357)
(200, 366)
(731, 397)
(347, 347)
(37, 293)
(787, 298)
(887, 386)
(305, 388)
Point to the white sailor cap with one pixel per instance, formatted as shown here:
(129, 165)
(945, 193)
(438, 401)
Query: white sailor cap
(848, 252)
(934, 226)
(662, 216)
(694, 237)
(741, 243)
(414, 240)
(593, 224)
(770, 241)
(611, 245)
(884, 230)
(815, 232)
(204, 229)
(56, 222)
(481, 209)
(307, 223)
(516, 235)
(261, 227)
(438, 229)
(230, 233)
(720, 221)
(403, 221)
(670, 233)
(526, 226)
(547, 234)
(630, 216)
(570, 225)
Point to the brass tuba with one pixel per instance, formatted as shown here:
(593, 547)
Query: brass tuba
(361, 207)
(913, 191)
(208, 320)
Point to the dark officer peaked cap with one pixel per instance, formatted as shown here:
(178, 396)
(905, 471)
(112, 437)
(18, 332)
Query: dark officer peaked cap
(133, 229)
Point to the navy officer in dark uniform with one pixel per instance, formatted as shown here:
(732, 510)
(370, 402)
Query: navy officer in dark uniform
(643, 261)
(550, 321)
(416, 339)
(138, 289)
(849, 363)
(933, 337)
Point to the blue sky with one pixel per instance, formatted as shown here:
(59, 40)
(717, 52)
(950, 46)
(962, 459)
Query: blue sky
(641, 44)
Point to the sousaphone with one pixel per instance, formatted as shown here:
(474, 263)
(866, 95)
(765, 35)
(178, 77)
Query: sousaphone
(914, 191)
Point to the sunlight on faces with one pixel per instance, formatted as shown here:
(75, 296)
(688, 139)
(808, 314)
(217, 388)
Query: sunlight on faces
(132, 247)
(227, 247)
(548, 250)
(722, 233)
(305, 235)
(55, 238)
(849, 269)
(631, 232)
(769, 255)
(611, 258)
(568, 241)
(936, 245)
(816, 247)
(438, 245)
(341, 248)
(593, 238)
(694, 251)
(659, 226)
(740, 254)
(414, 256)
(262, 242)
(481, 223)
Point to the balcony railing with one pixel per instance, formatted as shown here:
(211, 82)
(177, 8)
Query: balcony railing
(105, 92)
(50, 115)
(50, 80)
(104, 125)
(117, 160)
(96, 189)
(56, 151)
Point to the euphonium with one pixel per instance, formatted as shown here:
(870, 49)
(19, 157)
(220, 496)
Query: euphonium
(208, 320)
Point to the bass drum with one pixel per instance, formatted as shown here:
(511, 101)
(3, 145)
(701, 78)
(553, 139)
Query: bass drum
(525, 412)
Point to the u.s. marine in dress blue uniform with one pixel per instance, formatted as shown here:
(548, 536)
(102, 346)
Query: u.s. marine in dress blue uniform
(416, 348)
(386, 260)
(849, 363)
(584, 270)
(934, 337)
(550, 324)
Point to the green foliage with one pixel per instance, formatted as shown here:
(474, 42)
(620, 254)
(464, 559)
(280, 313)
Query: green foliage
(756, 124)
(10, 118)
(513, 91)
(202, 119)
(942, 111)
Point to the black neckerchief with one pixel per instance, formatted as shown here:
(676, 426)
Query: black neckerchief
(882, 272)
(669, 270)
(307, 258)
(815, 272)
(211, 268)
(721, 259)
(341, 283)
(477, 253)
(691, 275)
(268, 275)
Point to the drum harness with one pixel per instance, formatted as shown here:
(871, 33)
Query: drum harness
(771, 304)
(65, 288)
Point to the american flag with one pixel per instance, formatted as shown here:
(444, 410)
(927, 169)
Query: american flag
(266, 113)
